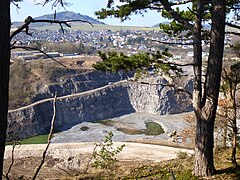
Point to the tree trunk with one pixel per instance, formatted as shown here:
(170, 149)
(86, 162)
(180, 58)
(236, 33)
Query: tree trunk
(204, 163)
(225, 128)
(234, 123)
(4, 73)
(205, 102)
(234, 149)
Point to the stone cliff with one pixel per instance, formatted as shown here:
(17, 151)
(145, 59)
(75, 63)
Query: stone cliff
(112, 100)
(77, 83)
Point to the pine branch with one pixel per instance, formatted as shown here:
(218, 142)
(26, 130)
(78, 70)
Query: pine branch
(175, 15)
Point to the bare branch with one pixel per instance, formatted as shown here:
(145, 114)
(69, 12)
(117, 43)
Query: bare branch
(36, 49)
(160, 6)
(232, 25)
(15, 143)
(49, 138)
(181, 3)
(15, 4)
(234, 33)
(29, 20)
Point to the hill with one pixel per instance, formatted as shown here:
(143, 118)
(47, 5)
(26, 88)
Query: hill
(69, 15)
(65, 15)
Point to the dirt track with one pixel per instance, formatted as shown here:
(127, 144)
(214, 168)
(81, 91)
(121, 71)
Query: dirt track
(131, 151)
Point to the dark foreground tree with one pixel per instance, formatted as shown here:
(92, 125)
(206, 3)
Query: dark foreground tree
(5, 48)
(4, 73)
(206, 87)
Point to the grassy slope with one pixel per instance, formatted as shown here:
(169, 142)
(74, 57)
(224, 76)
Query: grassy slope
(40, 139)
(95, 27)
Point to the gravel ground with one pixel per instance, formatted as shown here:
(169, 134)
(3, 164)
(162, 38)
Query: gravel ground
(97, 131)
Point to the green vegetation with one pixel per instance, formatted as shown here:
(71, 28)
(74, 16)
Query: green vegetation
(40, 139)
(113, 61)
(152, 128)
(105, 157)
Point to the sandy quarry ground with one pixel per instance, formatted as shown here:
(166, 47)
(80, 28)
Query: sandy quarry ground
(70, 159)
(131, 151)
(71, 151)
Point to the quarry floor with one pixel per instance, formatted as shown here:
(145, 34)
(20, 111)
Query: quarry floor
(71, 150)
(136, 121)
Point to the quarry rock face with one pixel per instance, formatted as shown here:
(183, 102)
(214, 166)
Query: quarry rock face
(79, 83)
(109, 101)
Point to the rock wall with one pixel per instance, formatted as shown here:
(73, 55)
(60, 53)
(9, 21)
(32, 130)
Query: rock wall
(77, 83)
(114, 100)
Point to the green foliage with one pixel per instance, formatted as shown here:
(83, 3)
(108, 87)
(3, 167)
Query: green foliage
(124, 11)
(174, 28)
(40, 139)
(141, 62)
(150, 172)
(153, 128)
(105, 157)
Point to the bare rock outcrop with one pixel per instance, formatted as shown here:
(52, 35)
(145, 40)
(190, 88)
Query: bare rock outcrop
(112, 100)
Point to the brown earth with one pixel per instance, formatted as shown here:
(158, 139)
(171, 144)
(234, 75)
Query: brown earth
(75, 158)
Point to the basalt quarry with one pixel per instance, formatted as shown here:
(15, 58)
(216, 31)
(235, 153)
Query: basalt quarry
(84, 99)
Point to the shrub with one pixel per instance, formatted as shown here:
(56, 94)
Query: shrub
(105, 158)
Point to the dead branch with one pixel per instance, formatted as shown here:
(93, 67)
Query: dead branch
(90, 159)
(15, 143)
(29, 20)
(232, 25)
(32, 48)
(55, 3)
(176, 64)
(15, 4)
(233, 33)
(49, 139)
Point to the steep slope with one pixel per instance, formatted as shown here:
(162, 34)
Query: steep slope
(112, 100)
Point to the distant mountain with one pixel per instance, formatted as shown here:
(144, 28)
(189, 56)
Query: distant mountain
(65, 15)
(69, 15)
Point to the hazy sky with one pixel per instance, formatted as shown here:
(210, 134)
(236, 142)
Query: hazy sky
(85, 7)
